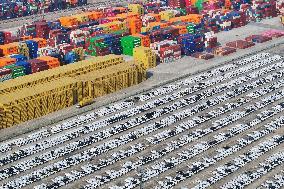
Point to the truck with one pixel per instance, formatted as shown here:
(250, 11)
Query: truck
(85, 102)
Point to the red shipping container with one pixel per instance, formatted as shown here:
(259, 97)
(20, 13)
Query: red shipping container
(38, 65)
(261, 38)
(5, 71)
(240, 44)
(191, 10)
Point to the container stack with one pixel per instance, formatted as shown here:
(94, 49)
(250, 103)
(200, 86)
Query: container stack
(210, 40)
(51, 61)
(98, 46)
(5, 74)
(176, 3)
(240, 44)
(38, 65)
(70, 57)
(61, 38)
(68, 21)
(46, 51)
(41, 42)
(4, 36)
(145, 56)
(151, 17)
(20, 8)
(8, 49)
(42, 29)
(191, 43)
(170, 33)
(273, 33)
(166, 15)
(136, 8)
(24, 49)
(77, 37)
(26, 66)
(156, 35)
(224, 23)
(33, 48)
(19, 57)
(135, 25)
(193, 28)
(258, 38)
(81, 18)
(166, 51)
(17, 71)
(65, 48)
(128, 43)
(145, 39)
(80, 52)
(29, 30)
(7, 61)
(115, 45)
(223, 51)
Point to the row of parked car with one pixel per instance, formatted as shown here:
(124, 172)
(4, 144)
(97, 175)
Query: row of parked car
(274, 183)
(240, 161)
(6, 146)
(195, 167)
(252, 58)
(249, 176)
(71, 134)
(196, 97)
(193, 136)
(221, 153)
(125, 104)
(60, 139)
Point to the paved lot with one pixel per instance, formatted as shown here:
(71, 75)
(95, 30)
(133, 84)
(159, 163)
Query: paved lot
(167, 115)
(243, 107)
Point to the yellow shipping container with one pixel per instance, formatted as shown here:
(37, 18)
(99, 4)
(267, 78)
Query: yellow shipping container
(166, 15)
(136, 8)
(146, 56)
(44, 93)
(78, 68)
(36, 101)
(109, 80)
(84, 17)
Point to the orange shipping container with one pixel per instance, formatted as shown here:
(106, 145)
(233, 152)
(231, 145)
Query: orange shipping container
(161, 24)
(120, 9)
(4, 61)
(94, 15)
(135, 26)
(23, 38)
(8, 49)
(128, 16)
(145, 40)
(195, 18)
(181, 29)
(73, 2)
(41, 42)
(51, 61)
(68, 21)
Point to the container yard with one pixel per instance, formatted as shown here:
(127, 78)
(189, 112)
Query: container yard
(182, 94)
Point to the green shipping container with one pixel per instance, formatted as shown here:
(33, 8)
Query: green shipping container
(128, 43)
(17, 71)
